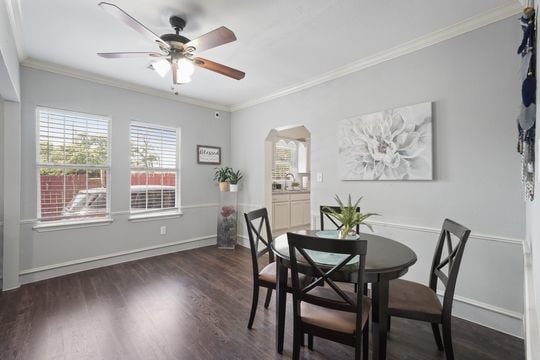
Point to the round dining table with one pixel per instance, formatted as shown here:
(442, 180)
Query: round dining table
(386, 259)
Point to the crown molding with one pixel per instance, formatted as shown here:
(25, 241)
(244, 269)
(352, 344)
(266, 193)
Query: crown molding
(14, 12)
(83, 75)
(406, 48)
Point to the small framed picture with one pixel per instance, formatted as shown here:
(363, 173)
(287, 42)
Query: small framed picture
(208, 154)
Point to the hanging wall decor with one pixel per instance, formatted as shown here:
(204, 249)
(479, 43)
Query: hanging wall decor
(526, 120)
(393, 144)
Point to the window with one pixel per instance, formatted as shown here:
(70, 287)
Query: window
(290, 156)
(154, 167)
(284, 159)
(72, 164)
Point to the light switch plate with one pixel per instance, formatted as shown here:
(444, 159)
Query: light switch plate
(319, 177)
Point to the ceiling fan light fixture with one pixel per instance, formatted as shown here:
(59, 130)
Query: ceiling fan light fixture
(182, 77)
(186, 67)
(162, 67)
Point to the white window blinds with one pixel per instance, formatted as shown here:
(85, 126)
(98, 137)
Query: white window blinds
(73, 164)
(154, 167)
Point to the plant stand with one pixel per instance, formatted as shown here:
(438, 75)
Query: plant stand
(227, 220)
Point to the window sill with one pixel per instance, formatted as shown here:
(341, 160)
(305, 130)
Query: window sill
(42, 226)
(155, 216)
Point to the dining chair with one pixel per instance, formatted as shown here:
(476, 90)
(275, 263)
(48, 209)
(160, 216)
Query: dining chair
(328, 311)
(416, 301)
(258, 226)
(324, 216)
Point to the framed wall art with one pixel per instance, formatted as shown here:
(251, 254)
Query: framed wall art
(207, 154)
(394, 144)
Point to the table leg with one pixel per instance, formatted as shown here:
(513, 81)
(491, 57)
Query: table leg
(281, 304)
(380, 318)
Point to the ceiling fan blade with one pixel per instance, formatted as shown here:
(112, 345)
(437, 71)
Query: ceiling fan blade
(123, 55)
(131, 22)
(210, 40)
(219, 68)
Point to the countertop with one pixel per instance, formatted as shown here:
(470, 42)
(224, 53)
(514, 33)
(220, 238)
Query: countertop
(277, 192)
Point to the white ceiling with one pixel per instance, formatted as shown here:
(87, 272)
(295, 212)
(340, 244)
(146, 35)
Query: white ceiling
(280, 42)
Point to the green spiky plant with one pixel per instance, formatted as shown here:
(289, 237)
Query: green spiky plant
(348, 215)
(235, 176)
(222, 174)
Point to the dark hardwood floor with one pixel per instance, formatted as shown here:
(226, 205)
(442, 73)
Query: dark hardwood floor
(187, 305)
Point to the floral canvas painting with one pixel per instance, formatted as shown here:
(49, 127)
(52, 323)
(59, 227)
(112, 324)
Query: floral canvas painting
(392, 144)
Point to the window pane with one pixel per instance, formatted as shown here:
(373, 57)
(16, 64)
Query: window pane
(153, 190)
(68, 138)
(72, 193)
(153, 147)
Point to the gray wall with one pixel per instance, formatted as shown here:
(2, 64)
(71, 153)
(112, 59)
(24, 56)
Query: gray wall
(46, 251)
(1, 184)
(9, 60)
(473, 82)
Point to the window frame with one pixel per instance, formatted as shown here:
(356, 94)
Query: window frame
(60, 221)
(162, 212)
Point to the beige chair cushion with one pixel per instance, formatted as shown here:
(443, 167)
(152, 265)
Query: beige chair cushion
(414, 297)
(269, 273)
(336, 320)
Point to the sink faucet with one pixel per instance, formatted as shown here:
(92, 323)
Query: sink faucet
(286, 176)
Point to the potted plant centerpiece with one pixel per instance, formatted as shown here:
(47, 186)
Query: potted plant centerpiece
(234, 178)
(222, 175)
(349, 217)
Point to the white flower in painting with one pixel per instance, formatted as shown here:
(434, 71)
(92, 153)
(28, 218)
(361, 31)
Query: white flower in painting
(388, 145)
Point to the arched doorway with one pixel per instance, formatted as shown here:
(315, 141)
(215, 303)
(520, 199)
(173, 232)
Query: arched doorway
(288, 178)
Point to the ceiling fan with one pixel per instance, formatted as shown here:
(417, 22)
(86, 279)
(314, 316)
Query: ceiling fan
(178, 53)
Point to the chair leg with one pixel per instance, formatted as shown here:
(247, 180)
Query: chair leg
(310, 342)
(254, 303)
(437, 335)
(389, 323)
(447, 338)
(268, 297)
(296, 341)
(365, 338)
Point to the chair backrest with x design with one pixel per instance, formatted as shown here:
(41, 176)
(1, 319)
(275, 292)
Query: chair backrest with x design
(324, 216)
(452, 261)
(303, 245)
(258, 226)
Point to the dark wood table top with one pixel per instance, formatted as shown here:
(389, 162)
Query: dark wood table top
(383, 255)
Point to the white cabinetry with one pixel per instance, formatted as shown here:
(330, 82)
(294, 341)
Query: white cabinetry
(290, 210)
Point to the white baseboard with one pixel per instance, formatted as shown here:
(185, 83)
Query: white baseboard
(503, 320)
(531, 323)
(69, 267)
(243, 240)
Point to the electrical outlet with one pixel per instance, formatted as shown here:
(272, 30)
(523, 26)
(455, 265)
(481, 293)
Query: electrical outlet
(163, 230)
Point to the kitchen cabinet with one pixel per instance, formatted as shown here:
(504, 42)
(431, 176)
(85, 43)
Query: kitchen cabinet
(291, 210)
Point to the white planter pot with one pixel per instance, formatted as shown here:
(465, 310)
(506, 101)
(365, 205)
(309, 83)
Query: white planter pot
(233, 187)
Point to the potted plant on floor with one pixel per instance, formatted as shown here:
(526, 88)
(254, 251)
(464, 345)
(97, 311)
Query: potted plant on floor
(234, 178)
(222, 176)
(349, 217)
